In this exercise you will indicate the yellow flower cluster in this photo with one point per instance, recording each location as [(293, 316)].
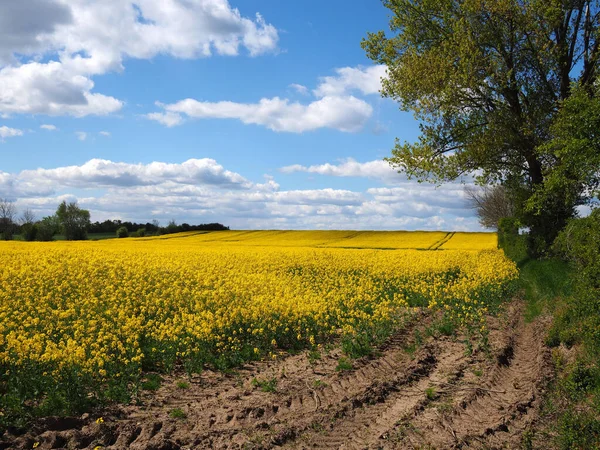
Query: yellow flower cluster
[(106, 310)]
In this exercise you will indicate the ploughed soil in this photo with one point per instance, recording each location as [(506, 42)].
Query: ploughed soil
[(429, 392)]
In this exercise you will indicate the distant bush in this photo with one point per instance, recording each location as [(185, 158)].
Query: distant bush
[(141, 232), (122, 232), (47, 228), (29, 231)]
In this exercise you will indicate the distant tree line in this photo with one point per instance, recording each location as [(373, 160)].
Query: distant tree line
[(74, 223), (111, 226)]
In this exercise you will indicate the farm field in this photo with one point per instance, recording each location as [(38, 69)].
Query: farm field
[(86, 324)]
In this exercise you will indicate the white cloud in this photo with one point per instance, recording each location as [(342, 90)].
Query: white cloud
[(342, 113), (348, 79), (104, 133), (105, 173), (169, 119), (48, 127), (202, 190), (299, 88), (350, 168), (335, 107), (51, 88), (81, 135), (84, 38), (9, 132)]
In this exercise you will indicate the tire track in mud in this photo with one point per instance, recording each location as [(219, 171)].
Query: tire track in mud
[(364, 426), (430, 399), (225, 411), (495, 411)]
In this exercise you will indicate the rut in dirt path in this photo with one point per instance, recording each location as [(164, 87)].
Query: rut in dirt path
[(495, 412), (364, 426), (460, 402)]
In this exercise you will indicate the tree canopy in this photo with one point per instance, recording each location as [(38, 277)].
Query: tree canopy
[(73, 220), (487, 79)]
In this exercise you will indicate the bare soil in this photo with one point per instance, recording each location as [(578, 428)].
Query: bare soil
[(432, 395)]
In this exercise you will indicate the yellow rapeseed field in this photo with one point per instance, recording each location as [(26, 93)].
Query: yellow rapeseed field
[(83, 320)]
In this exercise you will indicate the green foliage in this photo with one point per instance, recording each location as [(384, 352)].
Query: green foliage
[(171, 227), (344, 364), (73, 221), (313, 356), (576, 142), (579, 430), (508, 232), (431, 393), (487, 79), (265, 385), (181, 384), (152, 382), (444, 326), (141, 232), (579, 242), (29, 231), (122, 232), (177, 413), (47, 228), (572, 293)]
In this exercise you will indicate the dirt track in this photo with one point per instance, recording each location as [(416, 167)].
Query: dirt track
[(434, 397)]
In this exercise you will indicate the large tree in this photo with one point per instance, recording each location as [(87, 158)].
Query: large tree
[(487, 78)]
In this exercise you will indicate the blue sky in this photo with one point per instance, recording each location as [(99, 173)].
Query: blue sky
[(256, 114)]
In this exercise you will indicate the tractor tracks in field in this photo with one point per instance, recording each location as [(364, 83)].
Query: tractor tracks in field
[(432, 395), (437, 245)]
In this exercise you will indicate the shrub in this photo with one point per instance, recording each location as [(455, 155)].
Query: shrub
[(141, 232), (579, 243), (29, 231), (122, 232), (514, 245), (47, 228)]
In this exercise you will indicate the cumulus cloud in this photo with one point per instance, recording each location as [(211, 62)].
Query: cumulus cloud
[(350, 168), (202, 190), (51, 88), (106, 173), (48, 127), (341, 113), (81, 135), (366, 80), (79, 39), (335, 106), (26, 26), (104, 133), (9, 132)]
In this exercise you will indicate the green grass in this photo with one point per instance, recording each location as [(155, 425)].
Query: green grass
[(182, 384), (344, 364), (152, 382), (265, 385), (177, 413), (541, 281)]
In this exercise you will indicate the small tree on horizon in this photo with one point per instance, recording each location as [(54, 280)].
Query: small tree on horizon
[(28, 226), (73, 221), (8, 213)]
